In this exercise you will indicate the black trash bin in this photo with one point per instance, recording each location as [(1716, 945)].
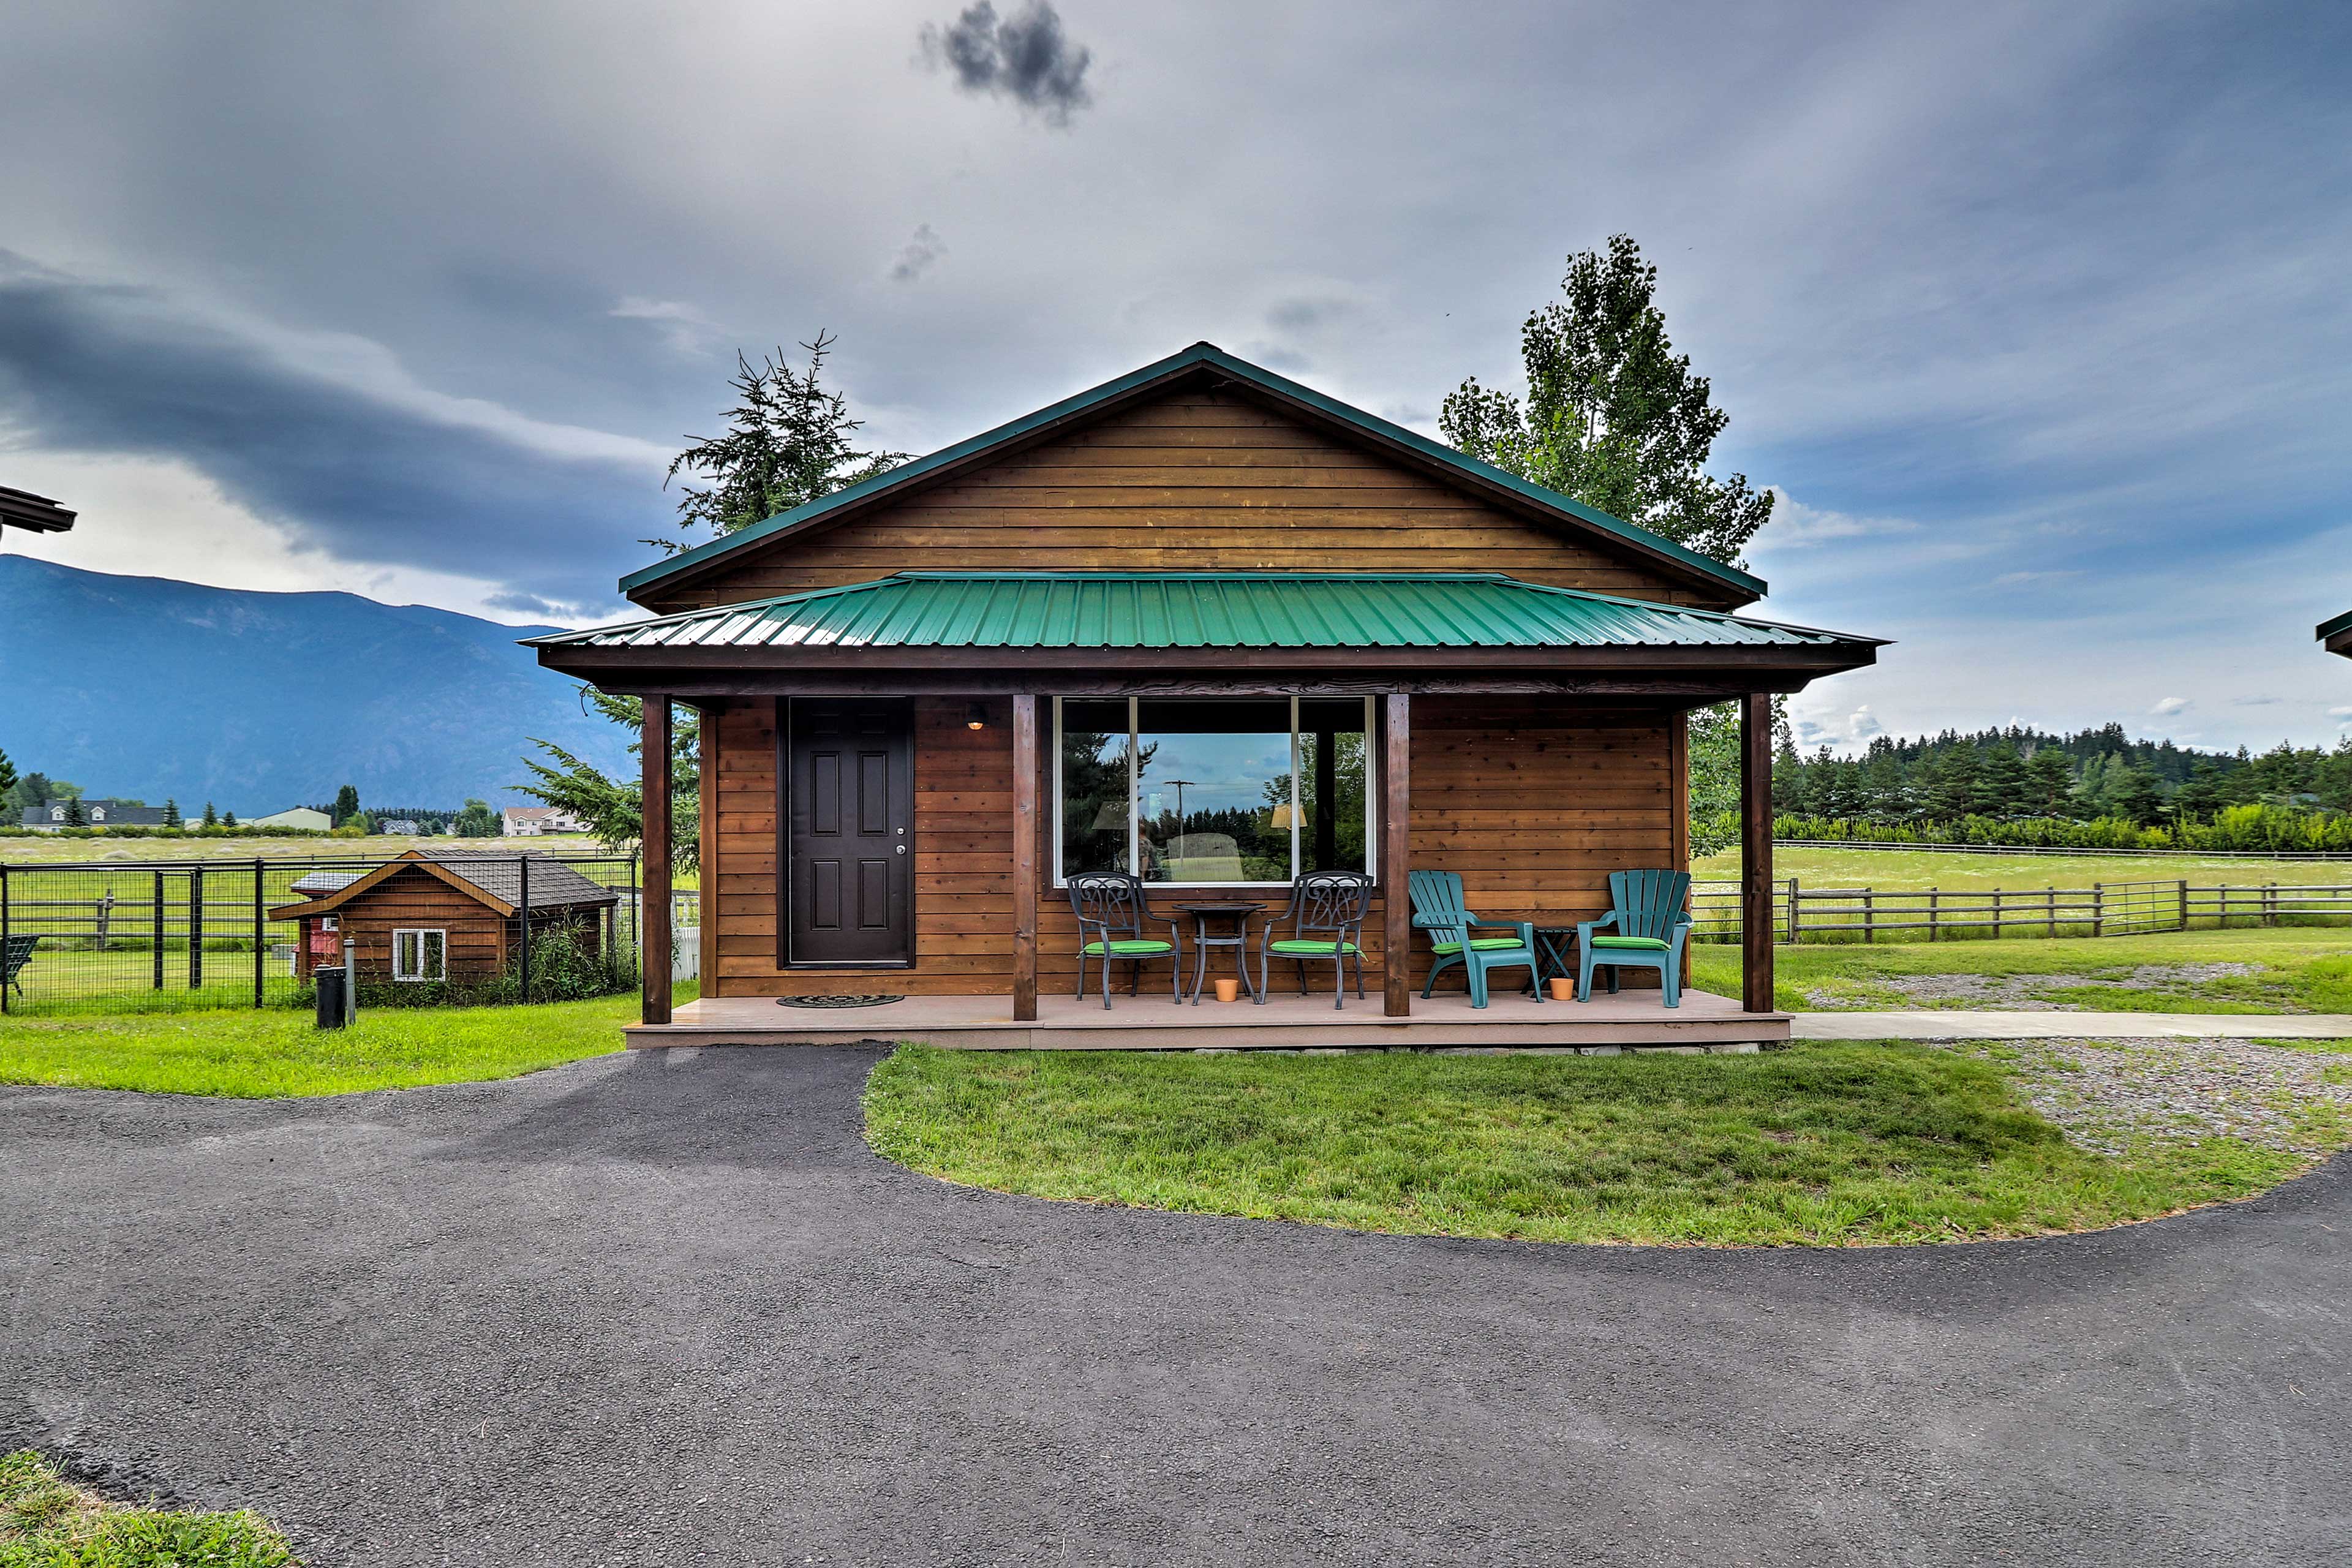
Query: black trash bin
[(330, 983)]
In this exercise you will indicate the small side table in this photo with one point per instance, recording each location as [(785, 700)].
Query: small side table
[(1550, 941), (1235, 910)]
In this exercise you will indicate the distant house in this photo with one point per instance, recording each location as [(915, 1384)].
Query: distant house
[(406, 826), (450, 915), (51, 818), (23, 508), (534, 821), (2336, 635), (300, 816)]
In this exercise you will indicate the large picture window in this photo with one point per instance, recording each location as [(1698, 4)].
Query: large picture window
[(1202, 792)]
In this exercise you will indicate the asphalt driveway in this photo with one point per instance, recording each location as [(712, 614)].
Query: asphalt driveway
[(665, 1308)]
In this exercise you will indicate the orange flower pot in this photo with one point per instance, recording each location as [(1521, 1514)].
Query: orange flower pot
[(1562, 988), (1228, 990)]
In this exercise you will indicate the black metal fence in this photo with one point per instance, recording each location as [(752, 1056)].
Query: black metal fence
[(169, 936)]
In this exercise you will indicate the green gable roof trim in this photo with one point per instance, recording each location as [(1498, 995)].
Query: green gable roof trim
[(1199, 610), (2329, 628), (1210, 357)]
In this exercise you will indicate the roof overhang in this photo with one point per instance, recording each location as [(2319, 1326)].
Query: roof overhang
[(23, 508), (328, 903), (1205, 362), (2336, 635)]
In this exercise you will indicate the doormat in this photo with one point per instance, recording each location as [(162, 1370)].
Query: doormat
[(833, 1001)]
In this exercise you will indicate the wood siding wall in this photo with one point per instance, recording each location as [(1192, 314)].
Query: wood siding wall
[(1196, 482), (1532, 801)]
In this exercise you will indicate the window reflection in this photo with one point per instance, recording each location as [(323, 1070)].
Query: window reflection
[(1093, 786), (1331, 785)]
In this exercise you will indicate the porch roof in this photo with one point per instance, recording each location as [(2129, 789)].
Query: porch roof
[(1178, 610)]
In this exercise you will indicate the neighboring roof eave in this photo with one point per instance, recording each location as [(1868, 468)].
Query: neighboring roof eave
[(2335, 635), (23, 508), (329, 903), (1099, 401)]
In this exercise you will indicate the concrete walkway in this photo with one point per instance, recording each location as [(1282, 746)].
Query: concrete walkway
[(2054, 1023)]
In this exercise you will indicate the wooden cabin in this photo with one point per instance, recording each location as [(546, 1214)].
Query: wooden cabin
[(448, 916), (1206, 625)]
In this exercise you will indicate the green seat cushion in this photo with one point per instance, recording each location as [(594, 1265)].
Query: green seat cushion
[(1638, 944), (1298, 947), (1483, 944), (1130, 947)]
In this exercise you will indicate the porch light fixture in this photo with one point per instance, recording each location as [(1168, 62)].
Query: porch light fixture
[(976, 716)]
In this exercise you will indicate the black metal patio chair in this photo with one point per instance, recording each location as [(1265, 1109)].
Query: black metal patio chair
[(14, 957), (1326, 920), (1112, 905)]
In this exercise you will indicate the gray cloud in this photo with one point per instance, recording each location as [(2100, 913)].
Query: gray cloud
[(106, 369), (918, 256), (1025, 57)]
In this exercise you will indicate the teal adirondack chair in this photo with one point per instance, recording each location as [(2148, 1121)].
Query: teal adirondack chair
[(1650, 911), (1438, 909)]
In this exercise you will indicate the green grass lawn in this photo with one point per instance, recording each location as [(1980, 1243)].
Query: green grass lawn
[(2296, 969), (45, 1522), (273, 1052), (1817, 1144), (1897, 869)]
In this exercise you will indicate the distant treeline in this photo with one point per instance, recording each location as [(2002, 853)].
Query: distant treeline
[(2020, 776)]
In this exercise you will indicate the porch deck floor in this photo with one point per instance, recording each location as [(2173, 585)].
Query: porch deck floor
[(1632, 1019)]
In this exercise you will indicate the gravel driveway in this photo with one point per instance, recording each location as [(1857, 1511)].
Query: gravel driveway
[(664, 1309)]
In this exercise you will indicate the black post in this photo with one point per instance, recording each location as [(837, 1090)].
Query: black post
[(197, 928), (522, 864), (159, 930), (1326, 807), (260, 936), (4, 934)]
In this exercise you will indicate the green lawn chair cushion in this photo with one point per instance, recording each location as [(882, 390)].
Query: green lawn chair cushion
[(1637, 943), (1307, 947), (1484, 944), (1130, 947)]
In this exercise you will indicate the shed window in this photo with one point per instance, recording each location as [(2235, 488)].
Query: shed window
[(420, 954), (1237, 791)]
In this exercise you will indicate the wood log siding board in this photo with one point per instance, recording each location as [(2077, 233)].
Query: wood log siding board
[(1208, 483), (1532, 801)]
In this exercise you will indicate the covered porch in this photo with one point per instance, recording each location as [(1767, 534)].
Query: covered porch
[(1530, 740)]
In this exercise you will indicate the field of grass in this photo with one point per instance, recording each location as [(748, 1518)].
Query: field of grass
[(47, 1522), (279, 1052), (1955, 870), (2251, 970), (1839, 1144)]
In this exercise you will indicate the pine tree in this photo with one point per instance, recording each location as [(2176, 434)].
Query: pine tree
[(2134, 794), (1952, 791), (229, 820), (74, 814), (7, 774), (2000, 783), (212, 817), (171, 812), (347, 805)]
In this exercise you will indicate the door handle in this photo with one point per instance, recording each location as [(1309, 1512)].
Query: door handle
[(902, 849)]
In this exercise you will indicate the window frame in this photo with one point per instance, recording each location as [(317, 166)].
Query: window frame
[(1134, 805), (420, 932)]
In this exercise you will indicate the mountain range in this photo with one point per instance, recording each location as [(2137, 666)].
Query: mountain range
[(152, 688)]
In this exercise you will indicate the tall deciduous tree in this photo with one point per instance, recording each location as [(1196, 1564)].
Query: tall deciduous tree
[(1612, 416)]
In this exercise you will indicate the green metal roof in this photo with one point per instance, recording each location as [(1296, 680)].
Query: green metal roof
[(1198, 610), (1212, 357)]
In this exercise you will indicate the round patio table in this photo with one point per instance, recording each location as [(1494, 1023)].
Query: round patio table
[(1236, 911)]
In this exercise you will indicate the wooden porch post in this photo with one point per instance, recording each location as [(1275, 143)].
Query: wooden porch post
[(654, 844), (1756, 852), (1024, 857), (1396, 855)]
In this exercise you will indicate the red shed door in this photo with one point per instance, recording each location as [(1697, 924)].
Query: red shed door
[(849, 852)]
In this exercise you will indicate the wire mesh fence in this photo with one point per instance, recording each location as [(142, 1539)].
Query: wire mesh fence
[(1802, 914), (456, 925)]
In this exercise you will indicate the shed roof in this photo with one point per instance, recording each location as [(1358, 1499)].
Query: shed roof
[(494, 877), (1199, 610), (1207, 360)]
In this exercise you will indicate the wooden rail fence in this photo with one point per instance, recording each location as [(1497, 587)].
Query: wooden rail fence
[(1802, 914)]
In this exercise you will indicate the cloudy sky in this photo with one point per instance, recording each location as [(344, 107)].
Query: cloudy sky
[(2035, 316)]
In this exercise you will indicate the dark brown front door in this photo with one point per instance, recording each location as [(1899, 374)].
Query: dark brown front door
[(849, 849)]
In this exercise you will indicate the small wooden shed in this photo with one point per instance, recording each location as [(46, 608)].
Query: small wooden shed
[(448, 915)]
